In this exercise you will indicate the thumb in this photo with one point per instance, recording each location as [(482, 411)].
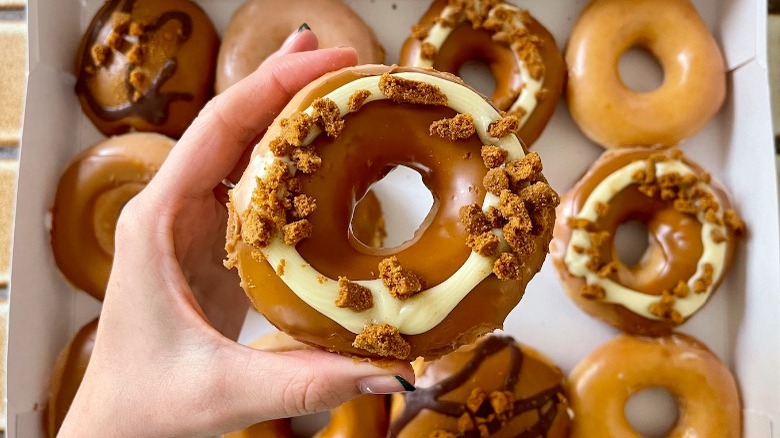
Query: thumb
[(263, 385)]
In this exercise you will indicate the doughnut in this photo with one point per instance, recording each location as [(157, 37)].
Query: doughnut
[(146, 65), (522, 55), (254, 33), (613, 115), (66, 378), (364, 416), (90, 195), (462, 272), (600, 386), (692, 234), (497, 387)]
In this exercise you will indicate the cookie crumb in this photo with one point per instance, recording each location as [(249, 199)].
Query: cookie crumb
[(507, 267), (354, 296), (383, 340), (419, 31), (357, 99), (734, 222), (504, 126), (296, 231), (525, 170), (427, 51), (485, 244), (402, 90), (593, 292), (280, 267), (296, 128), (401, 282), (456, 128), (475, 221), (327, 116), (100, 55), (306, 160), (493, 156), (496, 181), (303, 206)]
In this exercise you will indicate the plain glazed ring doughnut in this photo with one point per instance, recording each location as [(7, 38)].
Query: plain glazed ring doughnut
[(255, 32), (600, 386), (66, 378), (694, 83), (90, 195), (522, 55), (497, 387), (692, 235), (146, 65), (456, 279), (365, 416)]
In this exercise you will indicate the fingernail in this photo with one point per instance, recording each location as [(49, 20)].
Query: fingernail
[(295, 34), (303, 27), (384, 385)]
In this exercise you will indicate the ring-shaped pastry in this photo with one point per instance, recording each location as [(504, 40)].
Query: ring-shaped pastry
[(522, 55), (692, 234), (706, 393), (466, 267), (613, 115)]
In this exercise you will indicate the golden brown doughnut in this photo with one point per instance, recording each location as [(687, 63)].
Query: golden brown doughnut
[(259, 27), (694, 83), (692, 236), (66, 378), (707, 396), (90, 195), (364, 416), (497, 387), (522, 55), (146, 65), (455, 280)]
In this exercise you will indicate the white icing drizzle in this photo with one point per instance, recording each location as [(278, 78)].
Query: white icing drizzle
[(713, 253), (426, 309), (438, 34)]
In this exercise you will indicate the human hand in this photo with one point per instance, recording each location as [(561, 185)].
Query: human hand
[(164, 361)]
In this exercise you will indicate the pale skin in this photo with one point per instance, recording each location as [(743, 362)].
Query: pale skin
[(165, 362)]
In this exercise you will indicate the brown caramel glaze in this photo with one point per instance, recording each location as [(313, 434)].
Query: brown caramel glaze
[(707, 395), (674, 242), (364, 416), (398, 135), (179, 46), (90, 195), (255, 32), (66, 378), (495, 363), (466, 43)]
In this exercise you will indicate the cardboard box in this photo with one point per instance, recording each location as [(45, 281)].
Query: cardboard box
[(741, 323)]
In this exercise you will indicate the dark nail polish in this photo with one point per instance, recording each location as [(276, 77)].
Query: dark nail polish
[(407, 386), (303, 27)]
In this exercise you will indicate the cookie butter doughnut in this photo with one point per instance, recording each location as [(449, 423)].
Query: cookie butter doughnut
[(487, 232), (692, 236), (707, 396), (66, 378), (146, 65), (365, 416), (496, 388), (90, 195), (259, 27), (523, 58), (613, 115)]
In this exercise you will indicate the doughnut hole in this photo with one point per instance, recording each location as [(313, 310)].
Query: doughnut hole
[(640, 71), (652, 412), (631, 241), (309, 425), (405, 202), (476, 73)]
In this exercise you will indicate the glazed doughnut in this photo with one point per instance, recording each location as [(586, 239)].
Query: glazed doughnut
[(694, 83), (146, 65), (523, 57), (66, 378), (602, 383), (692, 235), (90, 195), (487, 232), (497, 387), (255, 32), (364, 416)]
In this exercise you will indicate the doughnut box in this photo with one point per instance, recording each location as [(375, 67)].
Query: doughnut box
[(741, 323)]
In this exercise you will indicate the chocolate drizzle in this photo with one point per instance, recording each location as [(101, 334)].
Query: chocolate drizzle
[(153, 105), (544, 402)]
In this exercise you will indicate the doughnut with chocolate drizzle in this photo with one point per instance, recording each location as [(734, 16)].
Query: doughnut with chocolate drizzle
[(495, 388), (146, 65)]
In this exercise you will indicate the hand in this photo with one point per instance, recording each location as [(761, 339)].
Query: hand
[(165, 362)]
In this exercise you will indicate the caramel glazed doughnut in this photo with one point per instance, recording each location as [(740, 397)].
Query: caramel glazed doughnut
[(522, 55), (706, 393), (90, 195), (497, 387), (324, 288), (692, 236), (146, 65), (259, 27), (694, 83), (365, 416)]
